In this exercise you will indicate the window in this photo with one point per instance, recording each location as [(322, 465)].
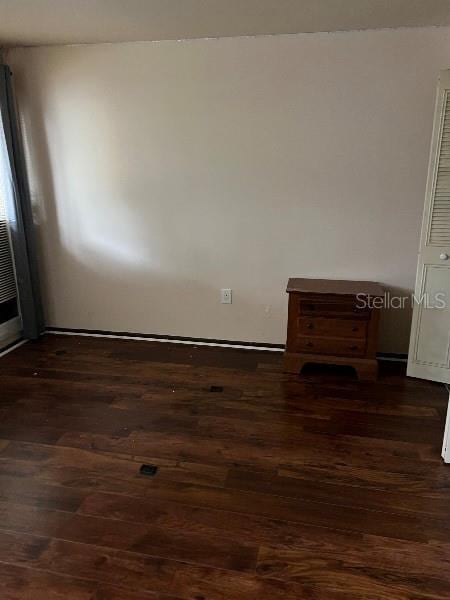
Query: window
[(8, 292)]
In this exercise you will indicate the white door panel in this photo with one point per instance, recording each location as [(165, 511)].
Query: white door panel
[(429, 352), (432, 341)]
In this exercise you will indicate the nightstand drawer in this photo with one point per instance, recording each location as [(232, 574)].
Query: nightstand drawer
[(323, 308), (329, 327), (331, 346)]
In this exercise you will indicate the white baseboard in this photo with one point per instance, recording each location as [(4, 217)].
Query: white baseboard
[(164, 340)]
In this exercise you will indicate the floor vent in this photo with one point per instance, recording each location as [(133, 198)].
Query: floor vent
[(149, 470), (216, 388)]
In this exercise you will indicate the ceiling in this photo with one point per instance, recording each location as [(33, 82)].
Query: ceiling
[(39, 22)]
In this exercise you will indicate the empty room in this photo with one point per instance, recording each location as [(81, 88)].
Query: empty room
[(224, 299)]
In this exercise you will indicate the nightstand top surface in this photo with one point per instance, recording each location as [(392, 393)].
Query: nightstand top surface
[(337, 287)]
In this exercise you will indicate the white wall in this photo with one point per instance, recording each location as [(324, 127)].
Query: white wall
[(164, 171)]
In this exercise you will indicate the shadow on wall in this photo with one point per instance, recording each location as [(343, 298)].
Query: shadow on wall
[(99, 282)]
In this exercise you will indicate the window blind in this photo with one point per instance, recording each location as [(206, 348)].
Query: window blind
[(7, 279)]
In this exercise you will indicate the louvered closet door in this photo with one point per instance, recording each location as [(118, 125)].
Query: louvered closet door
[(429, 352)]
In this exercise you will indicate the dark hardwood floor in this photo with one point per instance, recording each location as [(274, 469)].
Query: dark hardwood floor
[(276, 488)]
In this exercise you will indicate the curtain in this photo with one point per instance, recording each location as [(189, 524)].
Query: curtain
[(19, 213)]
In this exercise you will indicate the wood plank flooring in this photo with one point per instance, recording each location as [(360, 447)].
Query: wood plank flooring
[(276, 488)]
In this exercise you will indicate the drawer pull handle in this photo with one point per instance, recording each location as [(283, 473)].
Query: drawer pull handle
[(309, 326)]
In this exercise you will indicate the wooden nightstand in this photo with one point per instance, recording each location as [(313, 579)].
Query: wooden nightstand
[(334, 322)]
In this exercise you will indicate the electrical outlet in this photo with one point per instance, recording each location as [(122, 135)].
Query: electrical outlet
[(225, 296)]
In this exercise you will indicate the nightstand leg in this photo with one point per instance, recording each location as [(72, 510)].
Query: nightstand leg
[(367, 371), (293, 363)]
